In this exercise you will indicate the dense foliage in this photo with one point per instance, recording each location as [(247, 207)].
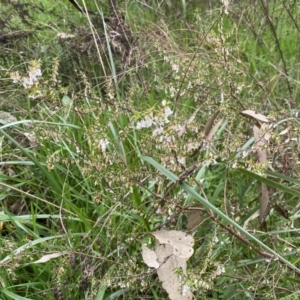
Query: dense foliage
[(142, 116)]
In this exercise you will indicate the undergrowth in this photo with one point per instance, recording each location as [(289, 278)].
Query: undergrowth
[(185, 119)]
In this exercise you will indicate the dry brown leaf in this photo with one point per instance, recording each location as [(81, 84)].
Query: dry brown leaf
[(285, 131), (210, 123), (6, 117), (182, 131), (63, 35), (48, 257), (149, 257), (264, 206), (181, 242), (11, 172), (213, 131), (163, 251), (167, 263), (252, 217), (32, 139), (171, 281), (261, 139), (194, 217), (254, 115), (190, 120)]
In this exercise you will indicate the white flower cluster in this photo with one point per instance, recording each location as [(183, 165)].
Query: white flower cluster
[(28, 80), (158, 122)]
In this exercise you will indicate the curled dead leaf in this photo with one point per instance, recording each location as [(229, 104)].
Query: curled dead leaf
[(214, 130), (261, 139), (210, 123), (48, 257), (149, 257), (264, 206), (6, 117), (254, 115)]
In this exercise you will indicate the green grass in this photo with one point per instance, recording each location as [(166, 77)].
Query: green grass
[(82, 184)]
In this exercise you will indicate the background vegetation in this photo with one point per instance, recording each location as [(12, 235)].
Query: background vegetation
[(86, 101)]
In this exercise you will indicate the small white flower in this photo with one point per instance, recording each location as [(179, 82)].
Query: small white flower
[(15, 76), (103, 143), (166, 121), (164, 103), (172, 91), (140, 125), (168, 112), (27, 82), (159, 121), (215, 239), (157, 131), (222, 97), (220, 270), (181, 160), (35, 95), (178, 128), (34, 73), (148, 122), (175, 68), (168, 139)]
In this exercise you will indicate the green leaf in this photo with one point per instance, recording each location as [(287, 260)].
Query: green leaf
[(13, 295), (136, 196), (270, 182), (101, 293), (66, 100), (283, 177)]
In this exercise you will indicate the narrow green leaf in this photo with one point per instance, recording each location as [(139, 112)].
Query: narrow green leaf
[(160, 168), (66, 101), (136, 196), (117, 294), (269, 182), (13, 295), (101, 293), (118, 144), (283, 177)]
